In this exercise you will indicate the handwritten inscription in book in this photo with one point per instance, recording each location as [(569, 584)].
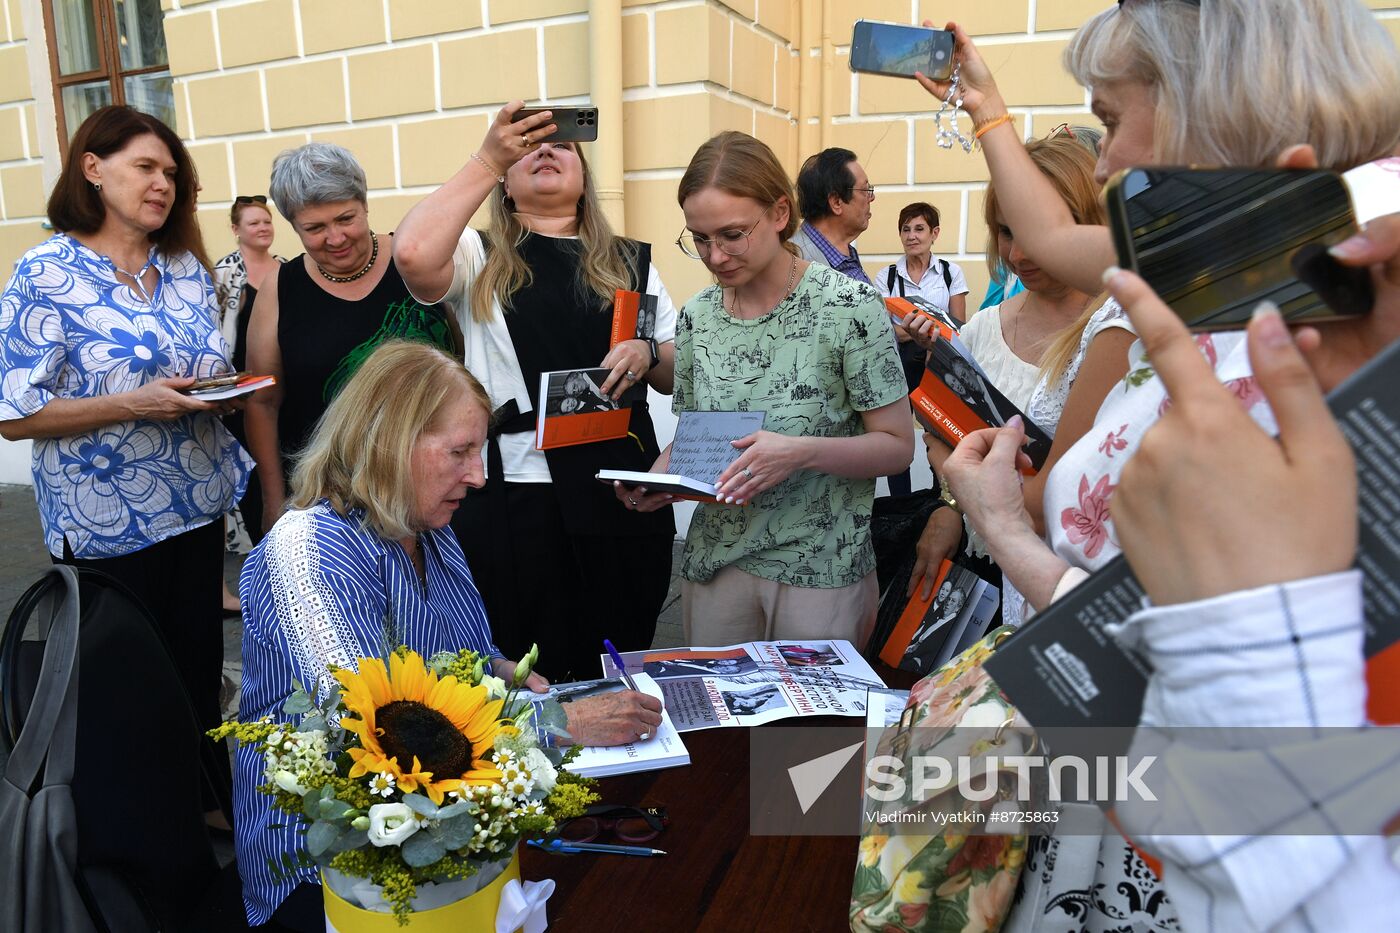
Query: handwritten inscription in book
[(703, 446)]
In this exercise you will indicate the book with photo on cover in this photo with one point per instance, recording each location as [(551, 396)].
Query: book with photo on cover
[(634, 317), (702, 449), (931, 631), (1064, 669), (663, 749), (574, 410), (957, 397)]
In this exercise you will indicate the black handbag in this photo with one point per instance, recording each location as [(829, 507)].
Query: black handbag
[(39, 887)]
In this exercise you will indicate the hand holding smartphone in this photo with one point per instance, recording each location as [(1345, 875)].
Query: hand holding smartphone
[(899, 50), (1214, 243), (575, 124)]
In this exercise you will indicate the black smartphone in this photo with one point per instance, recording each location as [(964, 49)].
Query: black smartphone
[(575, 124), (1214, 243), (899, 50)]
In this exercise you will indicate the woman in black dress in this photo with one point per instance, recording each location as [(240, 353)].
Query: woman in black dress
[(557, 557), (343, 297)]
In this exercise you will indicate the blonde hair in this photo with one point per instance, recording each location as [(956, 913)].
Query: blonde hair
[(607, 258), (1070, 168), (1237, 82), (361, 453), (738, 164)]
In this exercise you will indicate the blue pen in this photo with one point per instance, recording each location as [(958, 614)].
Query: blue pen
[(621, 667), (572, 848)]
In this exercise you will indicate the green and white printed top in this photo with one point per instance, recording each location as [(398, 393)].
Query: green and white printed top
[(825, 354)]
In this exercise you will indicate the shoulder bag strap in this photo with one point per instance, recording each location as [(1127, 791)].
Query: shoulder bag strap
[(50, 730)]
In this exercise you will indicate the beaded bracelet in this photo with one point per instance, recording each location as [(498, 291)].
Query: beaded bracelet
[(500, 176)]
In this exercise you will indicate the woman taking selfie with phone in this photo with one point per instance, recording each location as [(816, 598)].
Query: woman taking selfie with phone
[(789, 554), (558, 558), (1174, 83)]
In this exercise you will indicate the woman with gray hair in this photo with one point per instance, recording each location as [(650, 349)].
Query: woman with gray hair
[(343, 296)]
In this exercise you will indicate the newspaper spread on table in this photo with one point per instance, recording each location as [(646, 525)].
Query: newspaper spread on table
[(756, 682)]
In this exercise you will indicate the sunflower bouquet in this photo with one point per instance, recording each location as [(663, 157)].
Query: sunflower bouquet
[(415, 780)]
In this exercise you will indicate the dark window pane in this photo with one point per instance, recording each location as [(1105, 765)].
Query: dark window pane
[(153, 94), (80, 100), (140, 33), (76, 36)]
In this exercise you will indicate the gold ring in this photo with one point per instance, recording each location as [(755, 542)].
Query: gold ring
[(525, 139)]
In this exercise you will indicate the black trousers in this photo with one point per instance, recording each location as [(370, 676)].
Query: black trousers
[(175, 580), (564, 592)]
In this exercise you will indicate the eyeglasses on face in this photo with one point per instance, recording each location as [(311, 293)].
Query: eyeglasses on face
[(250, 199), (730, 242), (869, 191)]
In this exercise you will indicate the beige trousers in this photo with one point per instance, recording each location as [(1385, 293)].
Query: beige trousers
[(735, 607)]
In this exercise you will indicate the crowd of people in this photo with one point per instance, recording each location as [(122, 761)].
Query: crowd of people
[(393, 491)]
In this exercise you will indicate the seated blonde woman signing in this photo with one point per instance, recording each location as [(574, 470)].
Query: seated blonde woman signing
[(363, 561)]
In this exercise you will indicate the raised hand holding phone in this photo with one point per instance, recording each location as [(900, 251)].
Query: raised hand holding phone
[(1210, 503)]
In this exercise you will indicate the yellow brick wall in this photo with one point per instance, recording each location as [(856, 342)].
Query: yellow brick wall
[(409, 86), (22, 190)]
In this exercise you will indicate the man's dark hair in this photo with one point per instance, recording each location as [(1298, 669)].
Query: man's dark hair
[(824, 174)]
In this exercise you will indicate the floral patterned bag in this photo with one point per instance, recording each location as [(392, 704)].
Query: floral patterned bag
[(954, 881)]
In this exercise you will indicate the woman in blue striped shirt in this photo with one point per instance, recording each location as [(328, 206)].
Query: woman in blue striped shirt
[(362, 562)]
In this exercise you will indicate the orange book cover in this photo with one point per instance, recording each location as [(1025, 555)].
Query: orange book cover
[(955, 398), (574, 410), (634, 317), (901, 308), (909, 621)]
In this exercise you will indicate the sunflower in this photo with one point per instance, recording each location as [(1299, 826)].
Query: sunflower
[(446, 729)]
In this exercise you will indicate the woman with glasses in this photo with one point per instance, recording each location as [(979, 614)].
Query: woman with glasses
[(787, 552), (559, 560)]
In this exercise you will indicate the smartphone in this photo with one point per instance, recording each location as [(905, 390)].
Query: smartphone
[(215, 382), (575, 124), (899, 50), (1213, 243)]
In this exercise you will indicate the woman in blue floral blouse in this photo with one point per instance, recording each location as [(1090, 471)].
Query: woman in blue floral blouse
[(101, 328)]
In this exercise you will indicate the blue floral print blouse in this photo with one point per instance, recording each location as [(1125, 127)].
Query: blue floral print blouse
[(70, 329)]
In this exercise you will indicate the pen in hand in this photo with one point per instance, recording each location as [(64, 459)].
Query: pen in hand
[(621, 666)]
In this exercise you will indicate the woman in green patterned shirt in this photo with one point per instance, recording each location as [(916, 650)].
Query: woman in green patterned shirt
[(788, 554)]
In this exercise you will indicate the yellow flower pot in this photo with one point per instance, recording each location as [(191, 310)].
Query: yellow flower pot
[(475, 912)]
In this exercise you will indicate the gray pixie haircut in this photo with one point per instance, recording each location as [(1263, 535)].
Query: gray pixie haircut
[(317, 173)]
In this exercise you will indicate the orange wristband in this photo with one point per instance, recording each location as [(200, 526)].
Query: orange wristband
[(995, 121)]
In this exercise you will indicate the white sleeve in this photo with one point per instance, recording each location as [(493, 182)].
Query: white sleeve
[(959, 286), (1269, 830), (665, 307), (468, 256)]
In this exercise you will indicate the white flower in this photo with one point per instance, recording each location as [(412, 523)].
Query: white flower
[(495, 687), (541, 770), (391, 823), (288, 782), (382, 784)]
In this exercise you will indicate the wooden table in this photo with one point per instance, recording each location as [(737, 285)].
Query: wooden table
[(716, 877)]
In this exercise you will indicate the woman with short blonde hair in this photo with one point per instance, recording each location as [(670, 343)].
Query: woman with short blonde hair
[(361, 563)]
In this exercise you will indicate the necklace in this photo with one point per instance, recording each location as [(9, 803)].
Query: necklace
[(342, 279), (135, 277), (792, 280)]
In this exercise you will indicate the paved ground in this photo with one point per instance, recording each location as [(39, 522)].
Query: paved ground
[(23, 558)]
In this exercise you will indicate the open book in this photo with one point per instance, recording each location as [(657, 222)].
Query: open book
[(756, 682), (701, 451), (664, 749)]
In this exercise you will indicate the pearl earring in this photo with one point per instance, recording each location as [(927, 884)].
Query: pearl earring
[(97, 186)]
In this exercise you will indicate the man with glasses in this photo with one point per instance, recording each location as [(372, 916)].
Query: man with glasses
[(835, 196)]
